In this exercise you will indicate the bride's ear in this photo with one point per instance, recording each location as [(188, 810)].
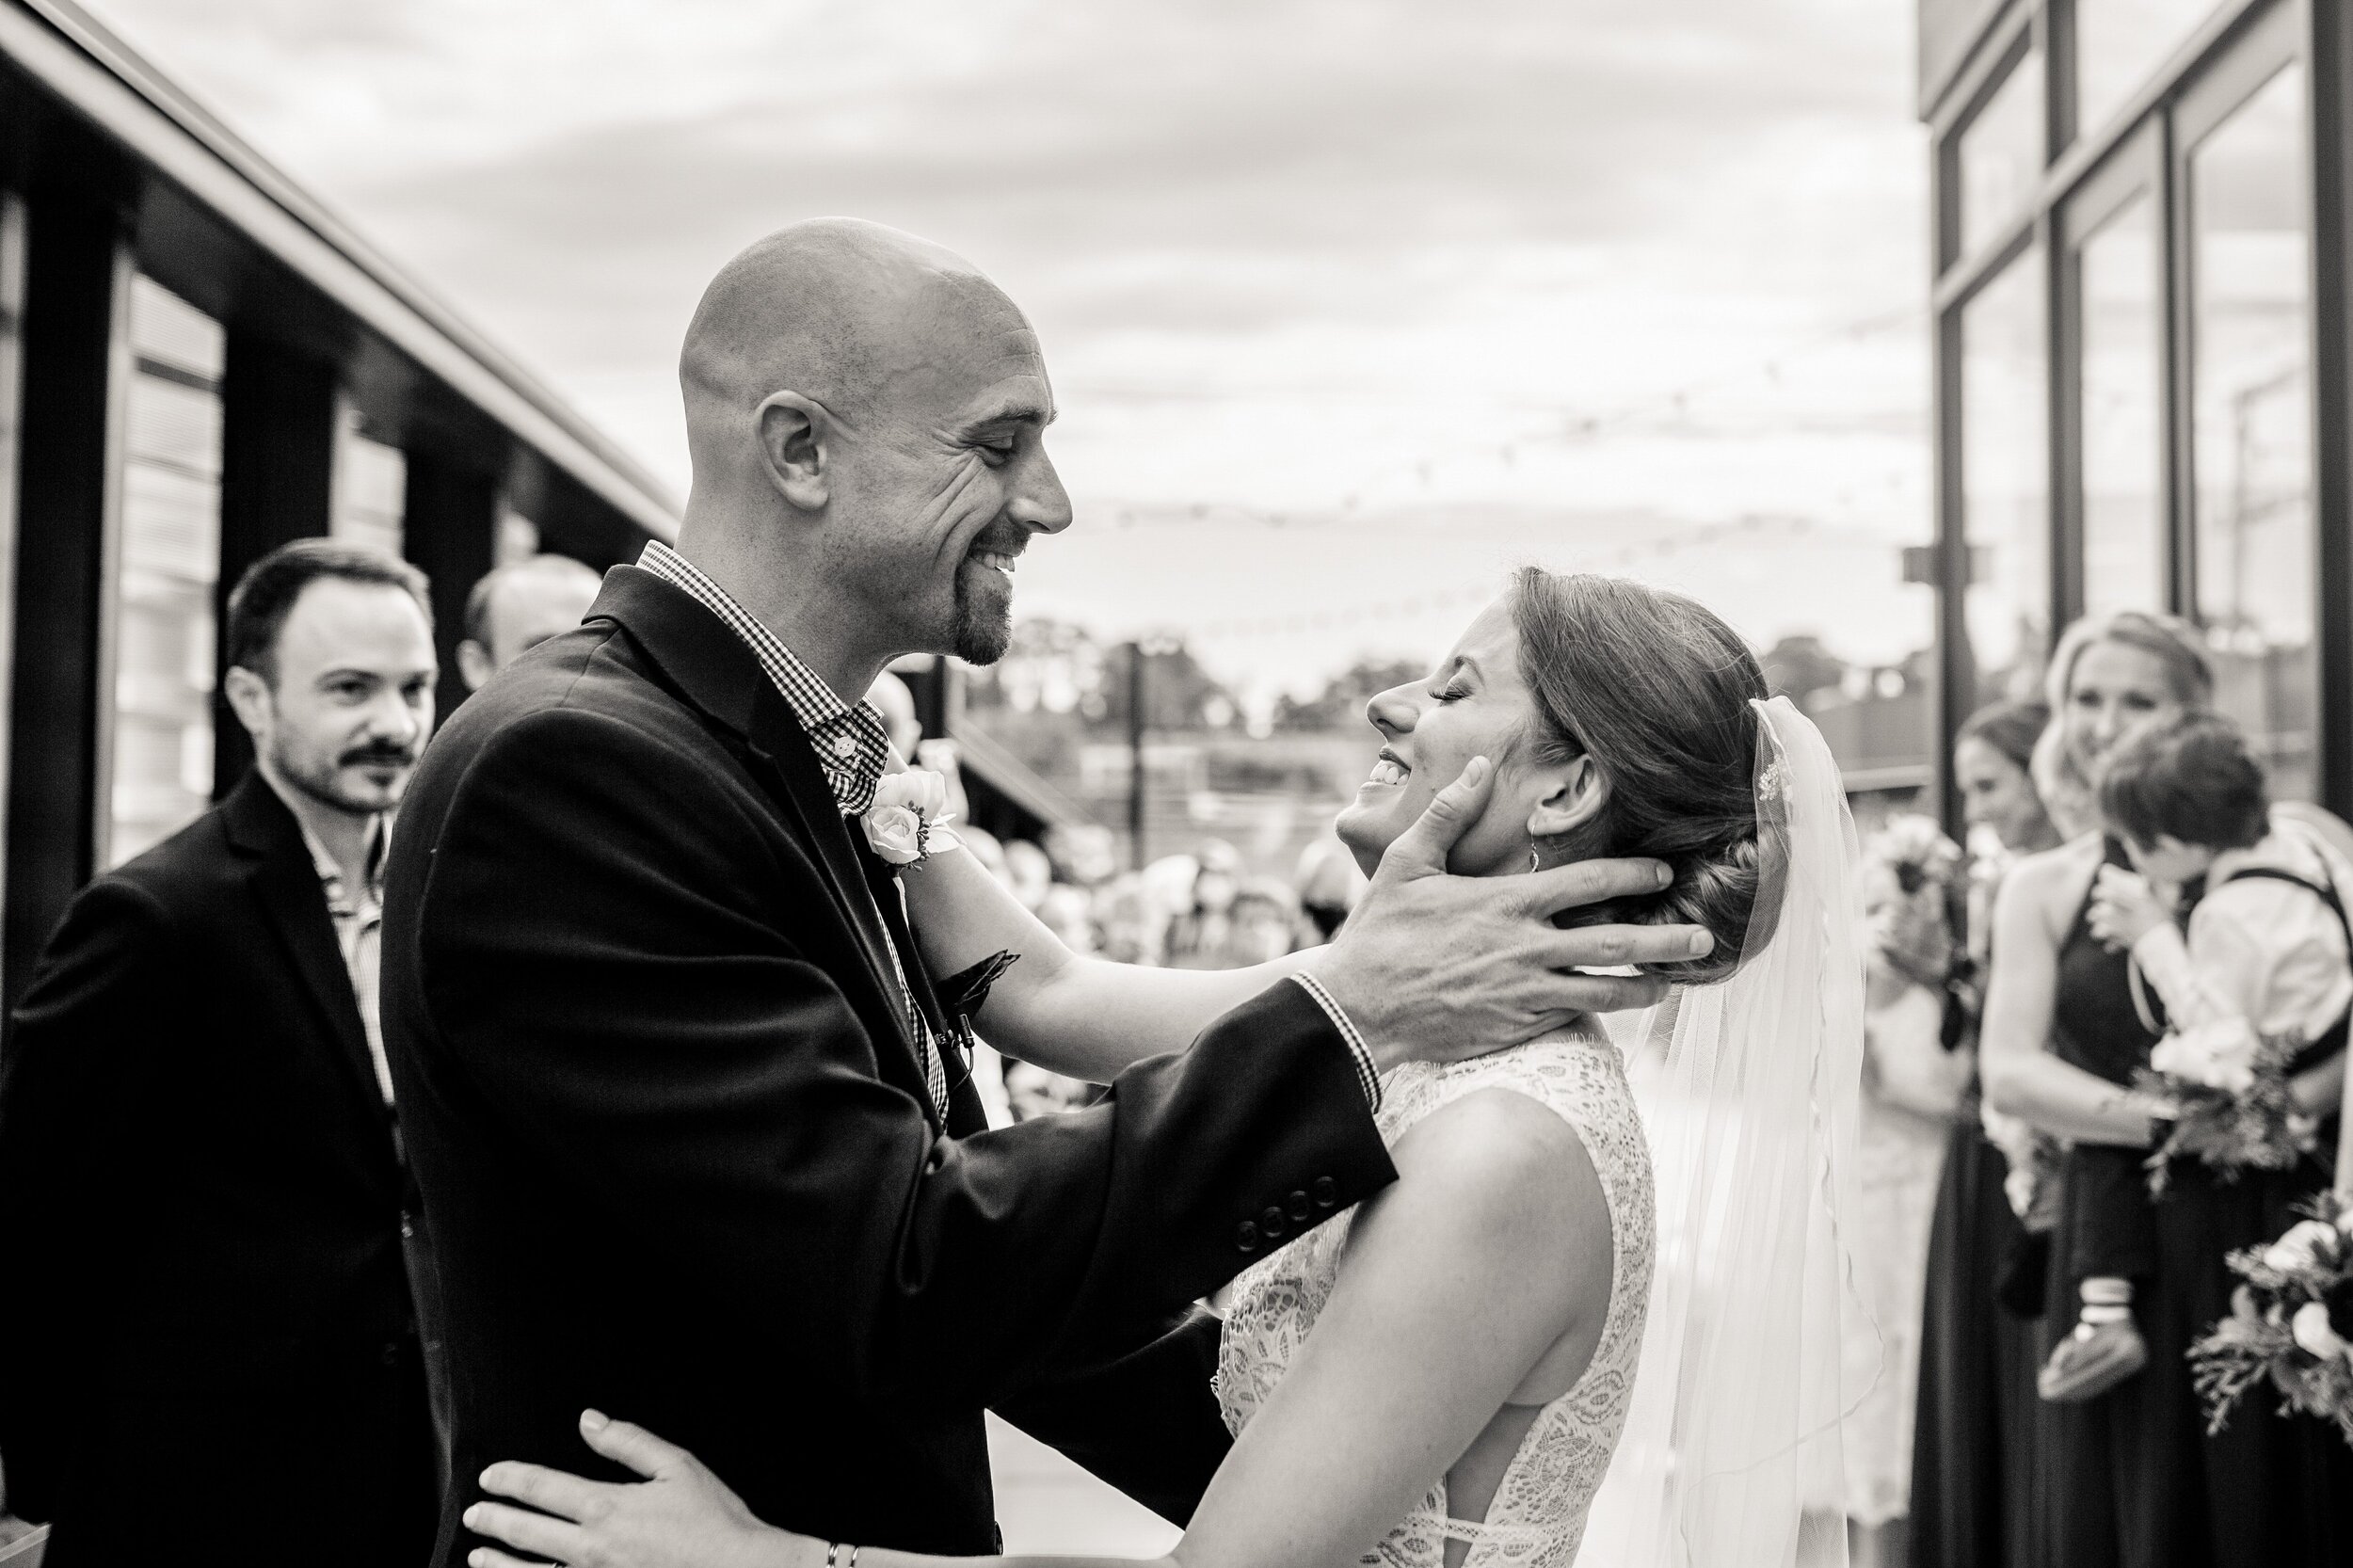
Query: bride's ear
[(1575, 794)]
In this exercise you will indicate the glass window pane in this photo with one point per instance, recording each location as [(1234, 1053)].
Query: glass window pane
[(2123, 414), (169, 559), (2250, 328), (2005, 470), (2119, 45), (2001, 154), (370, 481)]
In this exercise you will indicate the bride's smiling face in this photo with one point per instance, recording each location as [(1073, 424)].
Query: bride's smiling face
[(1474, 703)]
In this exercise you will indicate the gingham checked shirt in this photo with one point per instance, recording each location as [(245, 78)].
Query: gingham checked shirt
[(853, 747)]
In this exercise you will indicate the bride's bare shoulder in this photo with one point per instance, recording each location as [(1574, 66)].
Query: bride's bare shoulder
[(1509, 1167)]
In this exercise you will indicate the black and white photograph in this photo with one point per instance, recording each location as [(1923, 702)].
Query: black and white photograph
[(1180, 783)]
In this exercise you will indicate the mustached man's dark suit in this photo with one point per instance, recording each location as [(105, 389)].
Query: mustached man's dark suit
[(676, 1153), (207, 1352)]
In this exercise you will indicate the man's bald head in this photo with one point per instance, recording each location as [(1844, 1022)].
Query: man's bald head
[(836, 308), (865, 415)]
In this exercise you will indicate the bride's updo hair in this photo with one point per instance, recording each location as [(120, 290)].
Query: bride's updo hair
[(1657, 691)]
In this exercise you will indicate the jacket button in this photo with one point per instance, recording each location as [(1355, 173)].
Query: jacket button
[(1300, 1207), (1327, 1192), (1272, 1222), (1247, 1239), (391, 1352)]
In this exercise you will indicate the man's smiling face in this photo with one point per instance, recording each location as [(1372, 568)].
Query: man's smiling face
[(942, 472)]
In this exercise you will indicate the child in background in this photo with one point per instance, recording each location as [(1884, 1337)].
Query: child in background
[(2265, 950)]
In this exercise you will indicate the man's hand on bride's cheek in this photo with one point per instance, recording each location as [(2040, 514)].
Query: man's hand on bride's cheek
[(1432, 966), (680, 1516)]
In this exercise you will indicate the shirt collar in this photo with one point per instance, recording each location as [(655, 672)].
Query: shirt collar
[(330, 873), (852, 743)]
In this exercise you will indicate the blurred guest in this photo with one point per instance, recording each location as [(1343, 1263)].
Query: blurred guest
[(515, 608), (1132, 922), (1082, 852), (1330, 882), (1265, 923), (1196, 936), (1974, 1480), (221, 1361), (1028, 872), (1069, 914), (2135, 1479), (1913, 1090), (896, 703), (2264, 958)]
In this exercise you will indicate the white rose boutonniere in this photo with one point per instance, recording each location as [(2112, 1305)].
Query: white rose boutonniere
[(904, 826)]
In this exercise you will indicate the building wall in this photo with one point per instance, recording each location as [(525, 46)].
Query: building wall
[(2141, 347)]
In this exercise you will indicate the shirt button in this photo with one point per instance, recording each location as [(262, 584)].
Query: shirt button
[(844, 746), (1247, 1239), (1272, 1222), (1327, 1192)]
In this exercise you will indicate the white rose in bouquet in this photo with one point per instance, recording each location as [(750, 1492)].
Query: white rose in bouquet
[(2316, 1335), (2301, 1249), (2220, 1055)]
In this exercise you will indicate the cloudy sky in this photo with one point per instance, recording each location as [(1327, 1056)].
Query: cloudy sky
[(1351, 304)]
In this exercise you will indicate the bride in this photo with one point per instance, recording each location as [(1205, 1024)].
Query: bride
[(1516, 1355)]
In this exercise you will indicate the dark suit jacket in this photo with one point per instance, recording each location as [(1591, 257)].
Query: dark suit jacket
[(674, 1145), (201, 1203)]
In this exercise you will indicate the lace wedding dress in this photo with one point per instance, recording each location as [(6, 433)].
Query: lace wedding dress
[(1538, 1514)]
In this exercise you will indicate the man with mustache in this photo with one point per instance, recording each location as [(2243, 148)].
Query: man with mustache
[(208, 1348)]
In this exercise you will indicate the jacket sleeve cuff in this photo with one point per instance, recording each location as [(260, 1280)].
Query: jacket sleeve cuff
[(1367, 1077)]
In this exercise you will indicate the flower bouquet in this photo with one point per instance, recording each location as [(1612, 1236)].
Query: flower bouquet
[(2284, 1324), (2231, 1109), (1910, 873)]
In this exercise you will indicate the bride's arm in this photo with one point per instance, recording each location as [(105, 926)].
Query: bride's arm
[(1080, 1016), (1493, 1244)]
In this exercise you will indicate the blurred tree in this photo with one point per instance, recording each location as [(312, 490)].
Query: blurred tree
[(1341, 703), (1799, 668), (1055, 668)]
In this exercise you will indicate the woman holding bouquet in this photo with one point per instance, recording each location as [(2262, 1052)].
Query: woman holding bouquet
[(2136, 1482), (1915, 1076), (1976, 1481)]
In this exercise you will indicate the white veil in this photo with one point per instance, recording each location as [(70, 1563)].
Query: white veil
[(1732, 1454)]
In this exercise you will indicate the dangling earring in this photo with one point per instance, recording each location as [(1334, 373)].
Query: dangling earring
[(1534, 864)]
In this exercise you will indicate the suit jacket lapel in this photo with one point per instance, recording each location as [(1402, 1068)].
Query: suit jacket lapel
[(711, 670), (285, 883)]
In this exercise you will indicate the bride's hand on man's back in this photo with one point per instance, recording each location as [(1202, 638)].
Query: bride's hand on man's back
[(680, 1516), (1437, 967)]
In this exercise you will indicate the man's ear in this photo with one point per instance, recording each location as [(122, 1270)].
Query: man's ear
[(249, 698), (1575, 794), (474, 667), (793, 432)]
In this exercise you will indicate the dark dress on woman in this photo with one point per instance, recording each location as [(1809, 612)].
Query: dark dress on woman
[(2135, 1481), (1976, 1481)]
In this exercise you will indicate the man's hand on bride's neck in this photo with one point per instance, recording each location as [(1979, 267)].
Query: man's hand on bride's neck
[(1436, 968)]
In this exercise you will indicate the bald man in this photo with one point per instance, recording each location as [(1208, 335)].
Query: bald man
[(514, 608), (695, 1126)]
